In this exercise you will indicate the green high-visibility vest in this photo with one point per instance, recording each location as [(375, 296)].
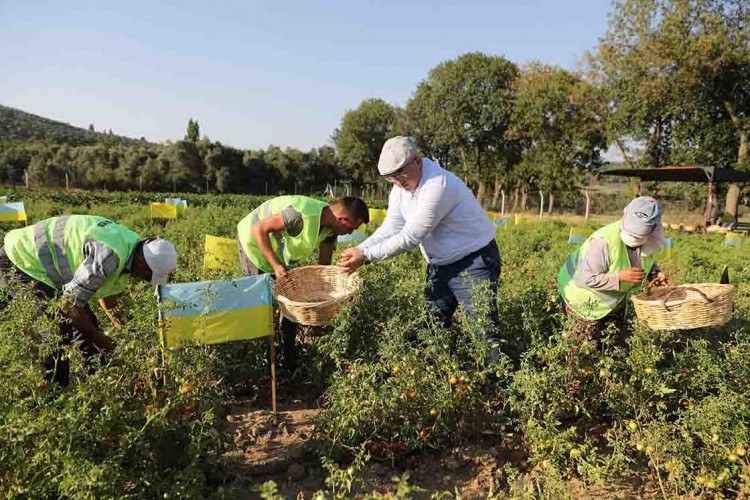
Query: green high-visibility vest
[(595, 304), (290, 250), (51, 250)]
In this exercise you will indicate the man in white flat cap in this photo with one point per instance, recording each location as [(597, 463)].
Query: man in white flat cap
[(432, 208), (82, 257)]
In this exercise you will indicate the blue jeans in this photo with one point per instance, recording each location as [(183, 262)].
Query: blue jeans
[(451, 284)]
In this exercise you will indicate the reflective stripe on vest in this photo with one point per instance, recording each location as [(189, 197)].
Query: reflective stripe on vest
[(61, 273), (50, 250)]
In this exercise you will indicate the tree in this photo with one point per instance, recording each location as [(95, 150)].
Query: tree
[(558, 116), (193, 131), (462, 112), (671, 64), (361, 135), (186, 165)]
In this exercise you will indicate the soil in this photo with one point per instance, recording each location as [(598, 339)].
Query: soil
[(282, 450)]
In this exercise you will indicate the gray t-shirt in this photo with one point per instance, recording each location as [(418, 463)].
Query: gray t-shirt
[(294, 222)]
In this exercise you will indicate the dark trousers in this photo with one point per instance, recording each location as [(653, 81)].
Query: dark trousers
[(452, 284), (288, 337), (57, 366)]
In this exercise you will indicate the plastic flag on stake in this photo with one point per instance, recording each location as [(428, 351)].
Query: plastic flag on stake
[(220, 253), (667, 249), (377, 216), (503, 224), (734, 239), (578, 235), (162, 211), (13, 212), (212, 312), (177, 202)]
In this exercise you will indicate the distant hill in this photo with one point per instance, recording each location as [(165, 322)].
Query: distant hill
[(22, 126)]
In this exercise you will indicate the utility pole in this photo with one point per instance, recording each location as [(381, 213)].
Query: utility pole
[(26, 175), (67, 186)]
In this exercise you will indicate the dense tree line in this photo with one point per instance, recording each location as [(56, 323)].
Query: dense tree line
[(201, 166), (670, 75)]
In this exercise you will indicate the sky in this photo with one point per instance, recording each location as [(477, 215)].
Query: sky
[(256, 73)]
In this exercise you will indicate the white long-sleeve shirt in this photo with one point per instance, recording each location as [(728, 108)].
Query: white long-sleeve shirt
[(442, 216)]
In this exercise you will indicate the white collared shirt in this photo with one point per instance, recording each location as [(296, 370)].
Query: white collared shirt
[(442, 216)]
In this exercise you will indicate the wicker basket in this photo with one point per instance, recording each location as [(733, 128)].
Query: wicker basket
[(312, 295), (685, 307)]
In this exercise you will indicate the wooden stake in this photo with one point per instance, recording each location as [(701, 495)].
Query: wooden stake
[(273, 375)]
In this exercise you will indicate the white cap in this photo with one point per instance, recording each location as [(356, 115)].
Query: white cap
[(396, 153), (161, 258)]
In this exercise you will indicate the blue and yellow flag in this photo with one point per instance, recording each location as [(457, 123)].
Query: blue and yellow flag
[(578, 235), (667, 249), (212, 312), (163, 211), (220, 253), (734, 239), (501, 223), (13, 212), (177, 202), (355, 237)]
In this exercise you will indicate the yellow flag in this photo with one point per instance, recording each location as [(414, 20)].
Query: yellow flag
[(377, 215), (163, 211), (220, 253)]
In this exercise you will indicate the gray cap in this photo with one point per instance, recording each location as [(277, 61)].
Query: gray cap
[(396, 153), (641, 216)]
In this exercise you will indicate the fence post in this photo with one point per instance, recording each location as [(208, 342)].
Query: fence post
[(541, 204)]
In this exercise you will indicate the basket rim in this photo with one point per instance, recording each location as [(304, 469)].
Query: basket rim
[(294, 303), (724, 289)]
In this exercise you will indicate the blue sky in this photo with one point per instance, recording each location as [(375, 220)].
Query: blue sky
[(258, 73)]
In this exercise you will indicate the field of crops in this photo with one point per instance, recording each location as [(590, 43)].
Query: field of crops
[(662, 414)]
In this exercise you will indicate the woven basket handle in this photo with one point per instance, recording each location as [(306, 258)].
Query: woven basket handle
[(669, 294)]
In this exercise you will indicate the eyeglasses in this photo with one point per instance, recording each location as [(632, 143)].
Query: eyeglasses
[(399, 174)]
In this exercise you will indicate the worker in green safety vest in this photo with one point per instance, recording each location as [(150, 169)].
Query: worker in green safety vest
[(613, 263), (285, 231), (81, 257)]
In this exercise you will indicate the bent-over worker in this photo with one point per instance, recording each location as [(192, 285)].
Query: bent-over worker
[(284, 231), (83, 257)]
